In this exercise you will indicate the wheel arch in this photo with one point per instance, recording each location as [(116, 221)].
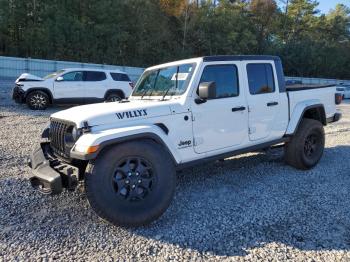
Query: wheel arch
[(43, 89), (152, 133), (114, 91), (315, 111)]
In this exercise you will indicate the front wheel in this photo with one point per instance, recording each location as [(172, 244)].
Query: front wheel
[(37, 100), (131, 184), (306, 147)]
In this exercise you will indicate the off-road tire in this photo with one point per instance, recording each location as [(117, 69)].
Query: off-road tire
[(37, 100), (306, 147), (110, 204)]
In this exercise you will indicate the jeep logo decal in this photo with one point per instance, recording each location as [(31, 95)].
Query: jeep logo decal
[(132, 114), (183, 144)]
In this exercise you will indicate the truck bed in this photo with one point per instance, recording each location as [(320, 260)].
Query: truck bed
[(298, 87), (300, 96)]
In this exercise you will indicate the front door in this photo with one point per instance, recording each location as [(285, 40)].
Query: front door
[(263, 100), (222, 122), (70, 88)]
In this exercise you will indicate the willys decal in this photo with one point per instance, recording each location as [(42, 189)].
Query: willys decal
[(132, 114)]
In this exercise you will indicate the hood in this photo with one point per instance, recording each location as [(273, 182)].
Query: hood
[(114, 112), (28, 77)]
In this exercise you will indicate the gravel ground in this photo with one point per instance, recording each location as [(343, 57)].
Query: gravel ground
[(250, 207)]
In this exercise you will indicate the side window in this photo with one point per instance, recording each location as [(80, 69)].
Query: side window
[(260, 77), (73, 76), (94, 76), (120, 77), (225, 78)]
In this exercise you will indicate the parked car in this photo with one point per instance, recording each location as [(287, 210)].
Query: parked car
[(180, 114), (341, 91), (346, 91), (72, 86)]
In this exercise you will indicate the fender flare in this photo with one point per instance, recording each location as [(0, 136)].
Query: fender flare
[(299, 112), (149, 132), (44, 89)]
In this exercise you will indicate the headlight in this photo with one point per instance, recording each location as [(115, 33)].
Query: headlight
[(72, 135), (76, 133)]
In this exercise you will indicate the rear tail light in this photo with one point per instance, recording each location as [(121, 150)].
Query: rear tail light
[(131, 84), (338, 98)]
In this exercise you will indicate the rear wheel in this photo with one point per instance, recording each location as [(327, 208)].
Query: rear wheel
[(114, 97), (305, 149), (37, 100), (131, 184)]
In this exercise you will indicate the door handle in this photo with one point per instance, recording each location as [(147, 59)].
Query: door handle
[(272, 104), (240, 108)]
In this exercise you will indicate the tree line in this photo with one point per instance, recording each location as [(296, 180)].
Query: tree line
[(146, 32)]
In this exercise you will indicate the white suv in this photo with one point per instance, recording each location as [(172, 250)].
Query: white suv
[(72, 86)]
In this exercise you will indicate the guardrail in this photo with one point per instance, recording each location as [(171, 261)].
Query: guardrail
[(12, 67), (315, 81)]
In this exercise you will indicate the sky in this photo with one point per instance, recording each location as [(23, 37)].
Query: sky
[(326, 5)]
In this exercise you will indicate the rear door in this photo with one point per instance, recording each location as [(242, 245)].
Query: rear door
[(263, 99), (221, 122), (70, 88)]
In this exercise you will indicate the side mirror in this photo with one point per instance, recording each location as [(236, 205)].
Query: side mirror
[(206, 90), (60, 78)]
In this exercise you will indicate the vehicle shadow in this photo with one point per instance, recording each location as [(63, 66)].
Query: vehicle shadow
[(252, 201)]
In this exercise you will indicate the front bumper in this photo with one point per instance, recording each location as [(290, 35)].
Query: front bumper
[(49, 174), (18, 94)]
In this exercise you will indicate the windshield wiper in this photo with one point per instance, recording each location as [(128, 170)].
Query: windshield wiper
[(177, 72), (144, 92), (154, 85)]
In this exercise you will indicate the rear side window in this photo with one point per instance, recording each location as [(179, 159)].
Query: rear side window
[(225, 78), (94, 76), (260, 77), (120, 77)]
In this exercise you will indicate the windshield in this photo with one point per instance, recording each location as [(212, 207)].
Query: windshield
[(53, 74), (171, 80)]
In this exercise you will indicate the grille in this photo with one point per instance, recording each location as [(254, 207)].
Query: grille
[(58, 129)]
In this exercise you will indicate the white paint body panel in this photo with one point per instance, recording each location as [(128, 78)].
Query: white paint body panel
[(266, 122), (299, 100), (216, 126)]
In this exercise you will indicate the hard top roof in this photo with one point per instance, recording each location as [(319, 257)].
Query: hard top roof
[(239, 58)]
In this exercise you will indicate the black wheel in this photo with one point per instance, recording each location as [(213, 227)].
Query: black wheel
[(305, 149), (131, 184), (37, 100), (114, 97)]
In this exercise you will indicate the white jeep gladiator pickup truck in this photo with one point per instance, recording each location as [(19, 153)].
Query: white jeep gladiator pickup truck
[(72, 86), (179, 114)]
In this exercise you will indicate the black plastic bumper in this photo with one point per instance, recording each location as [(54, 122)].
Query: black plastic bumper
[(18, 94), (49, 174)]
